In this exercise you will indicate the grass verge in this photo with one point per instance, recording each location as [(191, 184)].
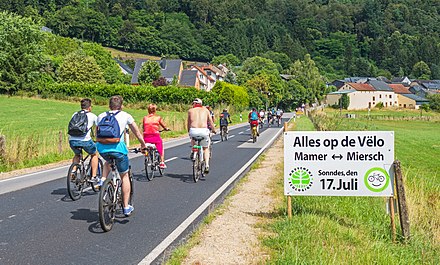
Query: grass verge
[(356, 230)]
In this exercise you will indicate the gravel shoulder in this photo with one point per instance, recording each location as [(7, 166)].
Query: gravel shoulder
[(233, 236)]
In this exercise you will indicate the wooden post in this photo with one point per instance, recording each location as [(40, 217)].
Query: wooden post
[(393, 223), (403, 208), (60, 142), (2, 148)]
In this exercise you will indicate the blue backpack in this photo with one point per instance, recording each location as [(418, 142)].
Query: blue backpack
[(254, 116), (108, 127)]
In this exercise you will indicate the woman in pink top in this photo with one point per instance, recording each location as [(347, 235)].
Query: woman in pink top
[(151, 131)]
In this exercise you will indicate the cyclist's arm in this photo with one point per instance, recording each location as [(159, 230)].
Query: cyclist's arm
[(163, 124), (211, 123), (134, 128)]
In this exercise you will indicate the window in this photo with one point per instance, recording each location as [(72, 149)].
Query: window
[(380, 96), (391, 96), (374, 98)]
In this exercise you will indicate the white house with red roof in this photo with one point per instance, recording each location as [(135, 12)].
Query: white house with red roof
[(206, 82), (364, 95)]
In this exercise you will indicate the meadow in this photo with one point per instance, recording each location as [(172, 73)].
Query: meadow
[(36, 129), (356, 230)]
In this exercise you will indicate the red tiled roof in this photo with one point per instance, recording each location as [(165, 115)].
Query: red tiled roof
[(399, 89), (204, 73), (361, 87)]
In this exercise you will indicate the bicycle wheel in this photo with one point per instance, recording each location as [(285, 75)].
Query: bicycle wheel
[(107, 205), (221, 134), (254, 134), (75, 182), (149, 172), (196, 167), (225, 132)]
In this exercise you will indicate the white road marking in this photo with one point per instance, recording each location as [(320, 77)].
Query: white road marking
[(170, 159), (248, 129), (12, 216), (188, 221), (231, 136), (216, 142), (240, 132)]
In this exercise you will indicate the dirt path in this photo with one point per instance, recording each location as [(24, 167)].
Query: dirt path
[(232, 237)]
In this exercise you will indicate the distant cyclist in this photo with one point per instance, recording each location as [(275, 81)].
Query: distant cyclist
[(253, 119), (151, 124), (225, 119), (262, 114), (198, 119), (113, 122), (80, 127), (279, 113)]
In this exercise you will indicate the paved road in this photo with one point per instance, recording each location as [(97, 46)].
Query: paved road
[(39, 224)]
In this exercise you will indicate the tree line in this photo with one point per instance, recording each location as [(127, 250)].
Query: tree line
[(344, 38)]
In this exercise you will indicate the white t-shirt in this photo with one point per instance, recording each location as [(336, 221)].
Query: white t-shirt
[(91, 120), (123, 119), (262, 114)]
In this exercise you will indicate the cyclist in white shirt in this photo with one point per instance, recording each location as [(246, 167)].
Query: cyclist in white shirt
[(85, 142)]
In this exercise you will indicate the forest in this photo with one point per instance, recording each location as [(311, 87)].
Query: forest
[(344, 37)]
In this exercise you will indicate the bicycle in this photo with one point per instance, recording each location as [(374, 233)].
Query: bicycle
[(110, 197), (198, 159), (79, 176), (254, 133), (151, 161), (278, 121), (224, 132)]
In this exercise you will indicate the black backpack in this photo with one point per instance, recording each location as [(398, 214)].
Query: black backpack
[(78, 124)]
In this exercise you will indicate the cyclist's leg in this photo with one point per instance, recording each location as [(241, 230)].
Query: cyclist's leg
[(76, 147), (106, 170), (90, 148), (122, 164)]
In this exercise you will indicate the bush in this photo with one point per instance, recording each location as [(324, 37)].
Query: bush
[(131, 94)]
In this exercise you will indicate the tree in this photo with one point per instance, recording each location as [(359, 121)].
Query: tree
[(227, 60), (421, 71), (79, 67), (149, 72), (434, 102), (21, 45), (344, 101)]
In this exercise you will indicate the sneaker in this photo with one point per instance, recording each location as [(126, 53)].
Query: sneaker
[(100, 182), (162, 165), (206, 169), (94, 179), (129, 210)]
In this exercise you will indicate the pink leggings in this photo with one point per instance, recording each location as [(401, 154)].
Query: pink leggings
[(156, 140)]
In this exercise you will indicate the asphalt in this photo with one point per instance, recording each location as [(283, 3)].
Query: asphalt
[(40, 224)]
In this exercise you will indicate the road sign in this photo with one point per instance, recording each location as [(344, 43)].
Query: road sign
[(332, 163)]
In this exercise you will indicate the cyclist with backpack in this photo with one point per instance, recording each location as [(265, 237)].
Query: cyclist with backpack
[(253, 119), (111, 144), (225, 119), (79, 129)]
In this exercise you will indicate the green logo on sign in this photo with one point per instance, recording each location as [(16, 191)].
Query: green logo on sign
[(377, 179), (300, 179)]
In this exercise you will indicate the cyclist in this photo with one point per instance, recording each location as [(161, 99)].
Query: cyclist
[(262, 114), (79, 140), (225, 119), (211, 113), (253, 119), (198, 119), (279, 113), (116, 149), (151, 124)]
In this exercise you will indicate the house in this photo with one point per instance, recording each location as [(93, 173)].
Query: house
[(214, 72), (125, 69), (363, 95), (189, 78), (403, 101), (412, 101), (206, 82), (385, 93), (170, 69), (402, 80)]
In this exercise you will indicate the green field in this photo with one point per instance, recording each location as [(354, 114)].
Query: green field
[(36, 129), (356, 230), (32, 128)]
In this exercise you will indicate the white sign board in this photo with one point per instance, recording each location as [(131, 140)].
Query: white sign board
[(332, 163)]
